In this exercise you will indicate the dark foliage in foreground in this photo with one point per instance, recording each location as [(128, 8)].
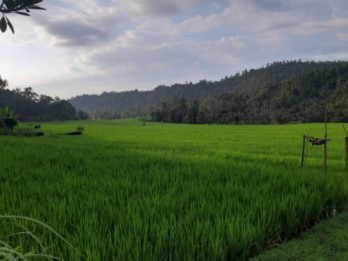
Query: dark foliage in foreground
[(21, 7)]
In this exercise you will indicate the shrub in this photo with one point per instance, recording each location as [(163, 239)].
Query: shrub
[(5, 132), (25, 132), (80, 129), (8, 120), (74, 133)]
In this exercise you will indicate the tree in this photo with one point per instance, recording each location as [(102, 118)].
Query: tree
[(8, 120), (3, 83), (29, 94), (81, 115), (21, 7), (45, 100)]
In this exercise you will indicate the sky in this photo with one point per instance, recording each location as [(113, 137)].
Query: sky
[(92, 46)]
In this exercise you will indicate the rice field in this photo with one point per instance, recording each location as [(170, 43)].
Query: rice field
[(124, 191)]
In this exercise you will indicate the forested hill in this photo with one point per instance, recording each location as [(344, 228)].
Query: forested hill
[(279, 92)]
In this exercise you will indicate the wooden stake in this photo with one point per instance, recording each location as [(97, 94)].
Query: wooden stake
[(303, 151), (346, 140), (346, 146), (345, 130), (325, 145)]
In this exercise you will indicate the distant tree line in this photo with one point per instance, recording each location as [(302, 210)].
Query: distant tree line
[(29, 106), (122, 103), (301, 98), (280, 92)]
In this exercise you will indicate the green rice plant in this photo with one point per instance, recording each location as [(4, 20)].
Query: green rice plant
[(10, 252), (167, 191)]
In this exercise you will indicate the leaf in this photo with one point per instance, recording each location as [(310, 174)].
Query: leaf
[(3, 24), (36, 7), (8, 4), (34, 2), (10, 25), (22, 13), (11, 4)]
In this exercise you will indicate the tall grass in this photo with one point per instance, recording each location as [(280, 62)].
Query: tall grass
[(176, 192), (12, 249)]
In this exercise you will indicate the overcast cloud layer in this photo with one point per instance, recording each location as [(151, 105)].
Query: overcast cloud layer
[(91, 46)]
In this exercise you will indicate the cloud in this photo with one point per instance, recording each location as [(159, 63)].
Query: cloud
[(204, 46), (139, 57), (342, 37), (75, 33), (169, 8), (338, 56), (155, 7), (87, 25), (328, 26), (269, 5)]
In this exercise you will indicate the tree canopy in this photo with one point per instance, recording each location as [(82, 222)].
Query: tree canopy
[(21, 7)]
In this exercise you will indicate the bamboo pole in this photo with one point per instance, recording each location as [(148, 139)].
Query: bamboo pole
[(303, 151), (346, 146), (325, 146), (344, 127), (346, 141)]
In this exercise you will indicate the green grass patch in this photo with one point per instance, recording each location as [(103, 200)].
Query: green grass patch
[(326, 241)]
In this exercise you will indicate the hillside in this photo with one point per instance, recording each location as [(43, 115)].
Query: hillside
[(279, 92)]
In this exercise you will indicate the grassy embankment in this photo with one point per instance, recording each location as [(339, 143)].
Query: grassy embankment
[(326, 241), (174, 192)]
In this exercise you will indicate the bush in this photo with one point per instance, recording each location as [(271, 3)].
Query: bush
[(8, 120), (5, 132), (9, 123), (80, 129), (74, 133), (25, 132)]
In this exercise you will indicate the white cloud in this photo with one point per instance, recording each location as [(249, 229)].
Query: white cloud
[(86, 25), (342, 37), (164, 7), (334, 56), (328, 26)]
